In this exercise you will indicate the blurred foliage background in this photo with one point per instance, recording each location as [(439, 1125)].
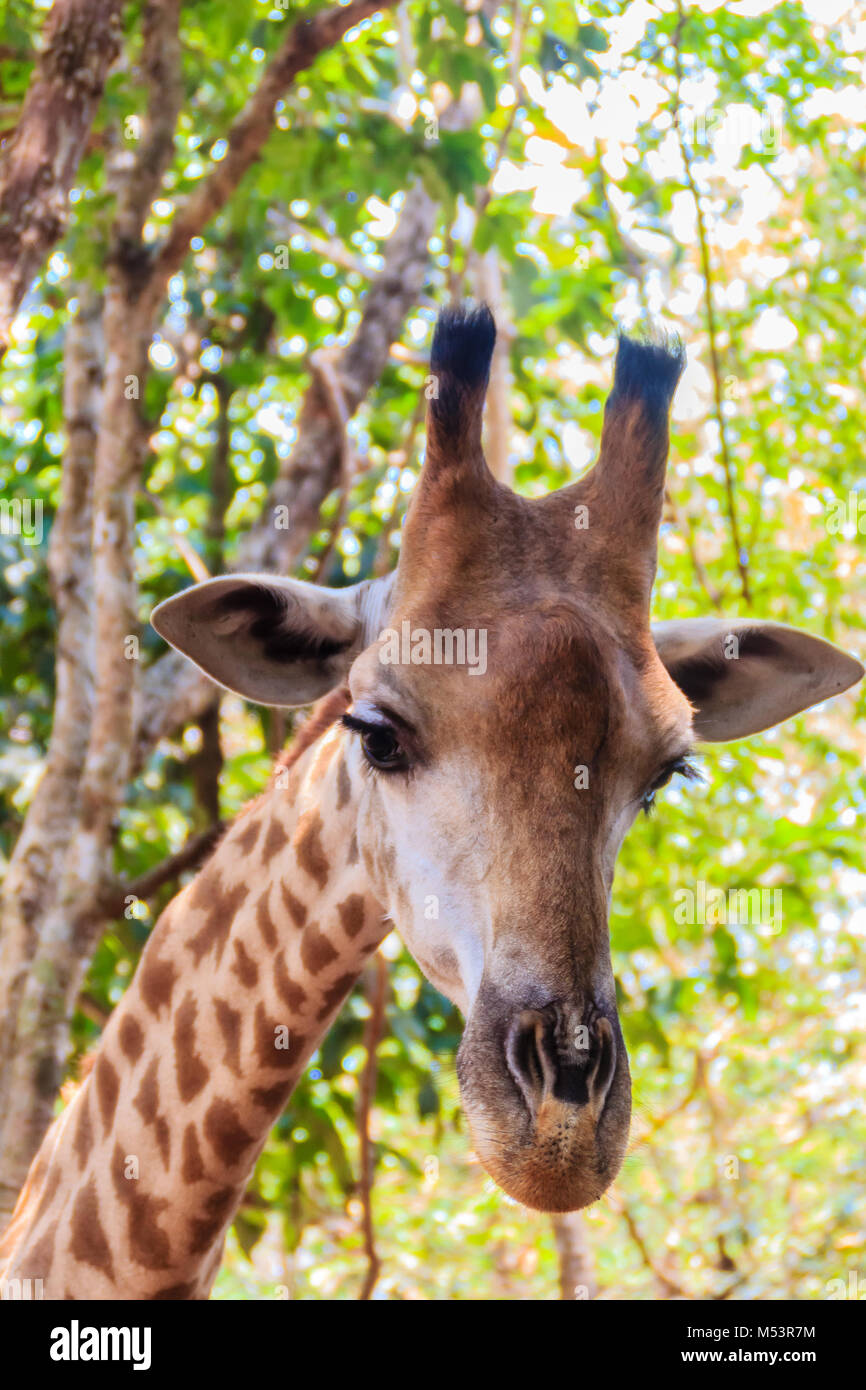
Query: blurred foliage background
[(704, 167)]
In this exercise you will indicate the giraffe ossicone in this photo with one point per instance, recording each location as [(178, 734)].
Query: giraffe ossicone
[(428, 783)]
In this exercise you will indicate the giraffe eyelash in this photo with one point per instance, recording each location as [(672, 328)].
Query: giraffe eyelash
[(682, 767)]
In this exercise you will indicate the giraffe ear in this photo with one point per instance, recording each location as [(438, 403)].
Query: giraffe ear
[(273, 640), (745, 676)]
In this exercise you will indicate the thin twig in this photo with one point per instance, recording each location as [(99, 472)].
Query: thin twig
[(670, 1286), (329, 248), (185, 549), (712, 330), (659, 1121), (190, 856), (372, 1038), (333, 390), (685, 524), (308, 37), (382, 562)]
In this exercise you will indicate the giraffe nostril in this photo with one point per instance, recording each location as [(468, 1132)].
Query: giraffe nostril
[(530, 1050), (543, 1065), (603, 1066)]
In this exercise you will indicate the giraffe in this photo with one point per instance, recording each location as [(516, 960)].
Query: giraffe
[(433, 794)]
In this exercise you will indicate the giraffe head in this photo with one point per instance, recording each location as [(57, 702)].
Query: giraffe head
[(512, 712)]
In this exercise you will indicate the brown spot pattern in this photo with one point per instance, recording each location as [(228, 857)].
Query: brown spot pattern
[(276, 839), (352, 914), (107, 1090), (273, 1098), (344, 784), (316, 950), (289, 992), (225, 1133), (265, 921), (309, 848), (229, 1021), (157, 978), (266, 1038), (189, 1067), (202, 890), (147, 1105), (163, 1139), (88, 1244), (41, 1257), (173, 1291), (83, 1141), (192, 1168), (295, 908), (147, 1100), (214, 931), (131, 1037), (244, 966), (335, 993), (148, 1243), (218, 1207), (247, 837)]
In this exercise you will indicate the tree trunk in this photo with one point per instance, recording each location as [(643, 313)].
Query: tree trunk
[(174, 691), (35, 868), (81, 39), (44, 965), (576, 1265), (61, 879)]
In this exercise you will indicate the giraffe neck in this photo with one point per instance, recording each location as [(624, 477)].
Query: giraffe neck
[(137, 1181)]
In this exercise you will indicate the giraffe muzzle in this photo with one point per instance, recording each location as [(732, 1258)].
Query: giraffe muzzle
[(547, 1093)]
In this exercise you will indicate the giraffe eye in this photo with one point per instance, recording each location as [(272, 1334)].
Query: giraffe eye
[(679, 765), (381, 745), (382, 749)]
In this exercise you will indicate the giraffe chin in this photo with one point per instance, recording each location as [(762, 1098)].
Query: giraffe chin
[(563, 1165)]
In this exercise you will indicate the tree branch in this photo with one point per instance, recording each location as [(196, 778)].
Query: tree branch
[(712, 330), (670, 1288), (116, 895), (174, 692), (313, 468), (576, 1272), (38, 1036), (81, 39), (35, 867), (302, 45), (145, 165), (372, 1038)]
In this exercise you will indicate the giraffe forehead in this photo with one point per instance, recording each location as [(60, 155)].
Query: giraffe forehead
[(475, 674), (569, 677)]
